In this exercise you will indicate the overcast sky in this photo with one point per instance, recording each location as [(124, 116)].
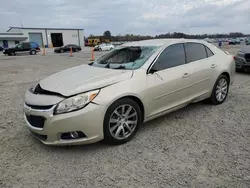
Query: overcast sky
[(129, 16)]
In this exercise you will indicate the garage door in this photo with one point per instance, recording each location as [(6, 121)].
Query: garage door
[(36, 37)]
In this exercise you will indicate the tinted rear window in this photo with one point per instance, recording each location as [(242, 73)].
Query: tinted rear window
[(34, 45), (195, 52)]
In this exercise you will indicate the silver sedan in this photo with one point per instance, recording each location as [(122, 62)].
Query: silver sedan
[(111, 97)]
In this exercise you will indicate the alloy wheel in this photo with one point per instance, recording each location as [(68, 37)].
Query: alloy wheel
[(221, 89), (123, 121)]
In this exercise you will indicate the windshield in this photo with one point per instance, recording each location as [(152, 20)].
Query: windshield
[(129, 57)]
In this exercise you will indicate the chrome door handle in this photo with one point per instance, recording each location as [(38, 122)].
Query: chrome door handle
[(185, 75), (213, 66)]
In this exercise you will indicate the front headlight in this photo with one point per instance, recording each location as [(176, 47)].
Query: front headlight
[(76, 102)]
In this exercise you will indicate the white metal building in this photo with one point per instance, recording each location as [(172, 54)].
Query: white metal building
[(10, 39), (48, 37)]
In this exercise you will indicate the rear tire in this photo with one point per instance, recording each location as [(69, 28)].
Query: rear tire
[(121, 121), (61, 51), (12, 54), (32, 52), (220, 90)]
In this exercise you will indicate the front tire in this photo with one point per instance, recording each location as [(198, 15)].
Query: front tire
[(220, 90), (61, 51), (121, 121)]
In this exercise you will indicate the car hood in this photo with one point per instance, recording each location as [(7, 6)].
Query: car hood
[(83, 78)]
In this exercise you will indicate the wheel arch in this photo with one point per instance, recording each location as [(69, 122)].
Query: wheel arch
[(227, 75), (136, 99)]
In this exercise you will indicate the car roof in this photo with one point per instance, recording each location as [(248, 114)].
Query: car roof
[(161, 42)]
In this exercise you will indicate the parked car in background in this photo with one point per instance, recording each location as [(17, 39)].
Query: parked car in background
[(242, 59), (234, 41), (247, 41), (231, 42), (209, 40), (22, 48), (66, 48), (104, 47), (116, 43), (238, 41), (111, 97), (1, 48)]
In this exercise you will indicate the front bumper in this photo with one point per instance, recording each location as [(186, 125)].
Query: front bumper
[(88, 120)]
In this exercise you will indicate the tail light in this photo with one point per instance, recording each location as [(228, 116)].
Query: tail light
[(234, 57)]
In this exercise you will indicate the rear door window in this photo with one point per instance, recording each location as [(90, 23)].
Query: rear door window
[(26, 46), (195, 52), (172, 56)]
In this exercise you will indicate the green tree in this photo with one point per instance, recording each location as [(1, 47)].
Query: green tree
[(107, 34)]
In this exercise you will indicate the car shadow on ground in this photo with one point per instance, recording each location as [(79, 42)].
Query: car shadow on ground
[(243, 72)]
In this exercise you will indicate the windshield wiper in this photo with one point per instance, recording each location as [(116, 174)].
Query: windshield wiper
[(120, 67)]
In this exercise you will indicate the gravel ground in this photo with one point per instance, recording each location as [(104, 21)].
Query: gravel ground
[(199, 146)]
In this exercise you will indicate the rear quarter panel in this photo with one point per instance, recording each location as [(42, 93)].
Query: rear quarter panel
[(226, 64)]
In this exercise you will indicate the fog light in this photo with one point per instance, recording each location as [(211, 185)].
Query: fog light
[(74, 134)]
